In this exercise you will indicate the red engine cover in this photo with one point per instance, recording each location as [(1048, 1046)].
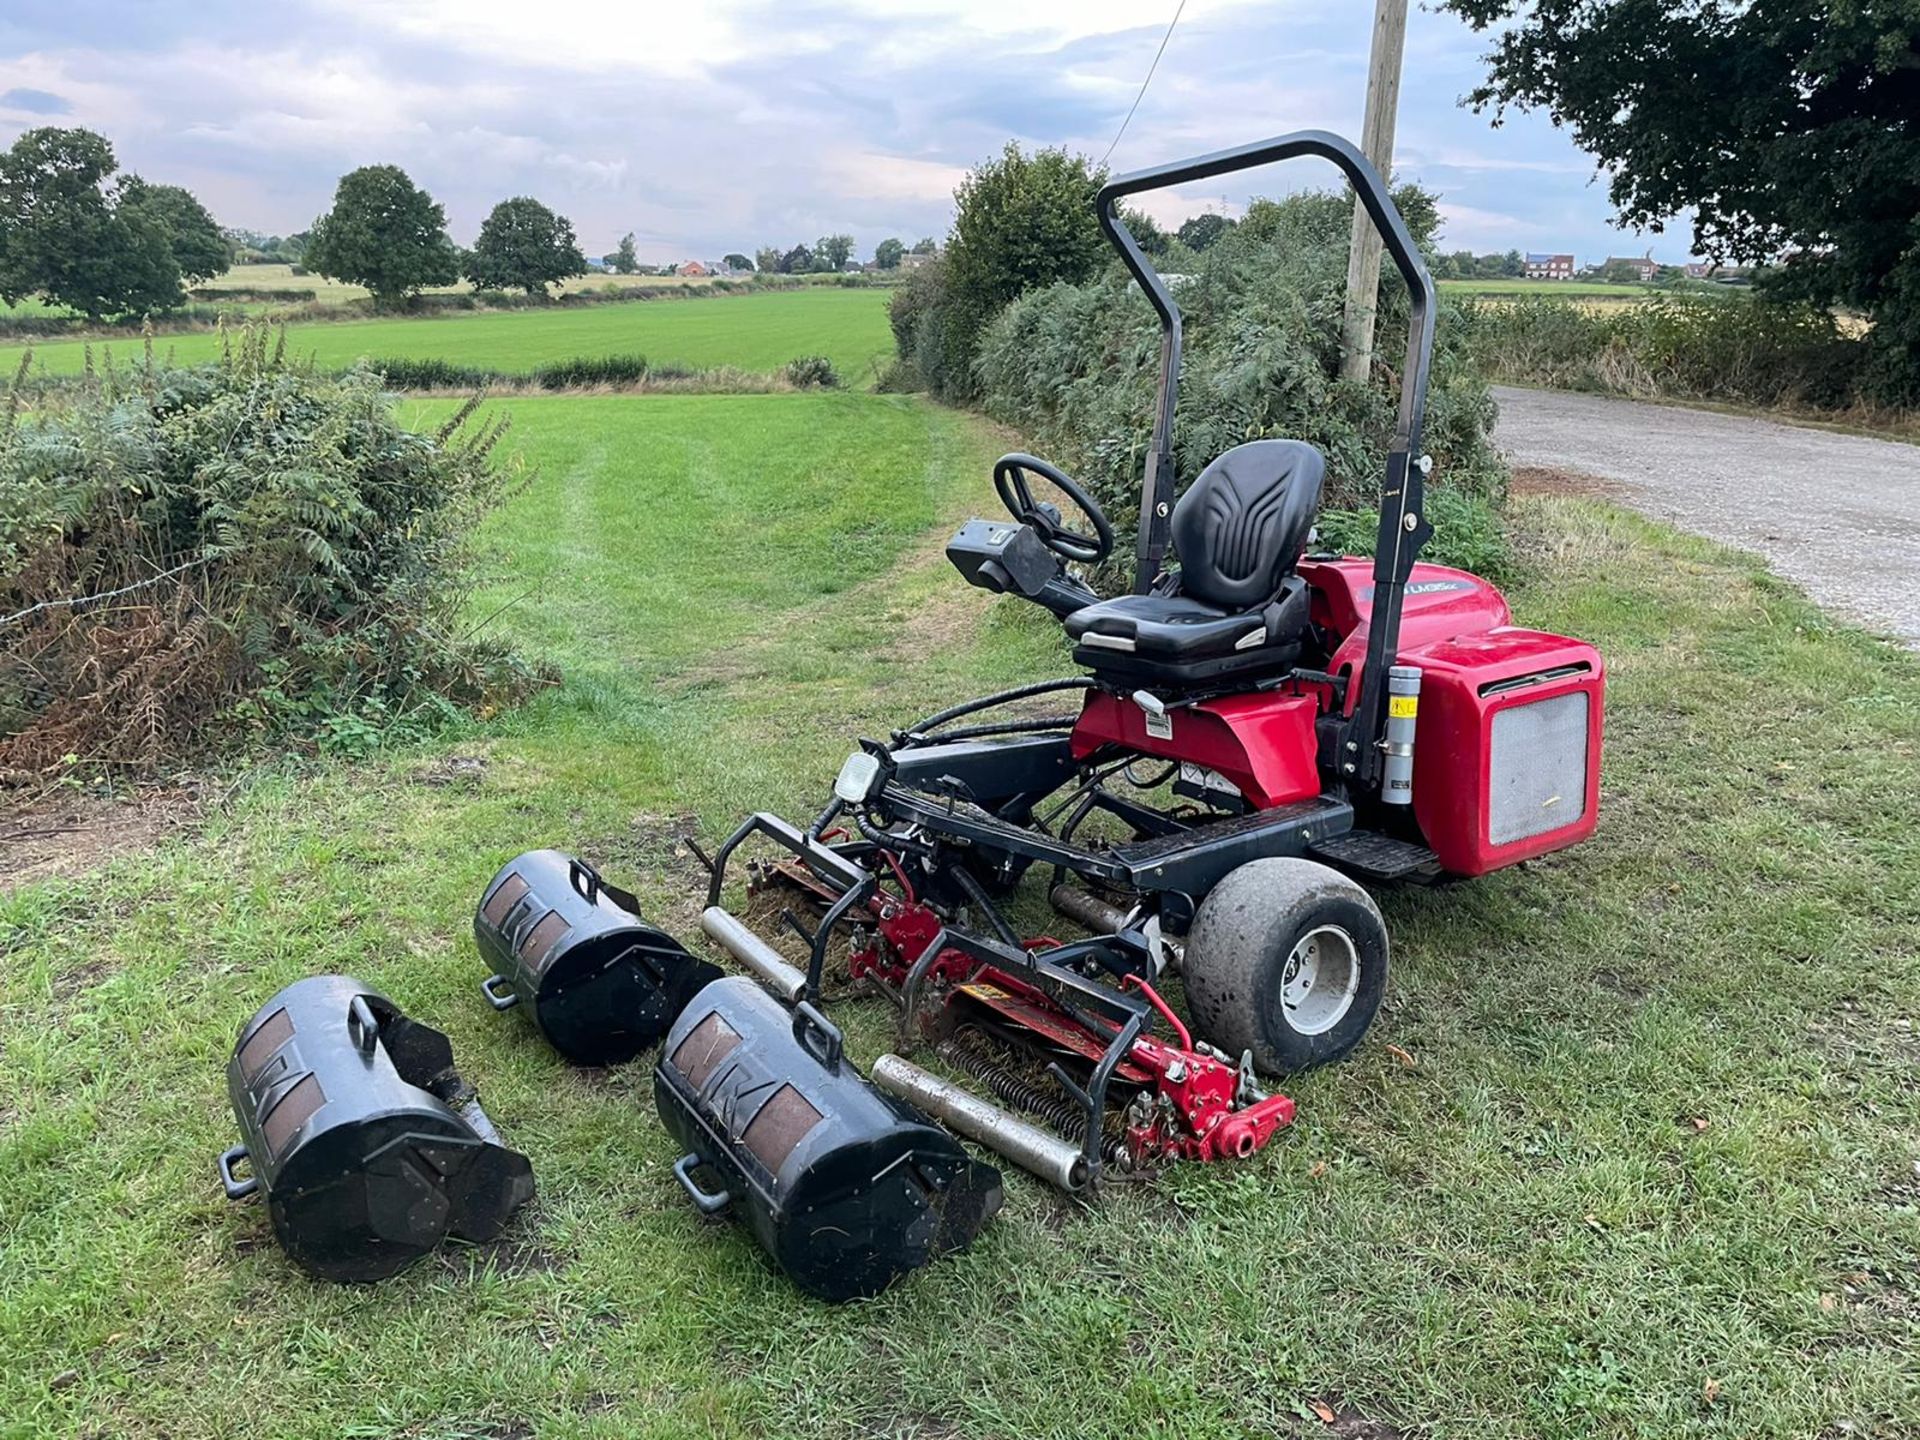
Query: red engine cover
[(1484, 790), (1490, 791), (1440, 603), (1263, 743)]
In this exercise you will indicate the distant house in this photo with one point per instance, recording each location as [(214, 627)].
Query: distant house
[(693, 268), (912, 261), (1725, 274), (1644, 267), (1549, 267)]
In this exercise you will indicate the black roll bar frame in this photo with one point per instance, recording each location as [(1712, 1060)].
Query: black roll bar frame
[(1403, 523)]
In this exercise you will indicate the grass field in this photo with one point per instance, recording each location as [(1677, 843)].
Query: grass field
[(750, 332), (1550, 289), (281, 277), (1642, 1161)]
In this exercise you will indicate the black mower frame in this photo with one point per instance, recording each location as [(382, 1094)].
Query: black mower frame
[(1404, 529)]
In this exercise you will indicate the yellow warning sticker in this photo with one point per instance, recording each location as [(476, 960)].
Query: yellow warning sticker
[(1403, 707), (982, 991)]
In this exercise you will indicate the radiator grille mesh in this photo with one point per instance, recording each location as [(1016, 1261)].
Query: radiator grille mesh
[(504, 899), (1537, 779), (540, 941), (706, 1045), (290, 1112)]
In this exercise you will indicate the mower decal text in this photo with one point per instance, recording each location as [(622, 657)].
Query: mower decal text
[(1425, 587)]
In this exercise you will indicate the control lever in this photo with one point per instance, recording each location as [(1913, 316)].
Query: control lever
[(1159, 723)]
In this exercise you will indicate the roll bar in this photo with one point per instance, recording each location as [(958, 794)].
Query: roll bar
[(1403, 522)]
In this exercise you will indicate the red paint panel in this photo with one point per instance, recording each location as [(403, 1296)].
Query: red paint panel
[(1453, 742), (1441, 603), (1263, 743)]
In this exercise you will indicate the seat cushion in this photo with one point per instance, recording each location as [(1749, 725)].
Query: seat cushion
[(1175, 641), (1177, 627)]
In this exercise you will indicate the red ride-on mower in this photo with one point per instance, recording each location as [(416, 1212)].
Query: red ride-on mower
[(1258, 731)]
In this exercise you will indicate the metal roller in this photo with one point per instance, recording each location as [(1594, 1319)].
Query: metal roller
[(766, 963), (1054, 1160), (1089, 910)]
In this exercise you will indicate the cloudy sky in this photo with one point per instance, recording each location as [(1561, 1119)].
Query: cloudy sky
[(729, 124)]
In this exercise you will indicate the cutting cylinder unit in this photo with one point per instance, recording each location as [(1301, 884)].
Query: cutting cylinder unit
[(846, 1187), (572, 951), (370, 1147)]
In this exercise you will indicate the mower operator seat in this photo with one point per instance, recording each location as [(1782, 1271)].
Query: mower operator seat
[(1235, 607)]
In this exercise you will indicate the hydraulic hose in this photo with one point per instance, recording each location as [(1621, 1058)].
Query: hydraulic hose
[(916, 733)]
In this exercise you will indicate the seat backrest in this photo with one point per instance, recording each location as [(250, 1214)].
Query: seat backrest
[(1243, 523)]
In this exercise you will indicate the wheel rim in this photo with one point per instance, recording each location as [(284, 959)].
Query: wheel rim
[(1321, 977)]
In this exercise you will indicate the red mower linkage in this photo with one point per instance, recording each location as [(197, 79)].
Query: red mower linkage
[(1122, 1096)]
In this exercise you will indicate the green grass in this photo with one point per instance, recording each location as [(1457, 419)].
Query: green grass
[(1564, 289), (747, 332), (1524, 1232), (281, 277)]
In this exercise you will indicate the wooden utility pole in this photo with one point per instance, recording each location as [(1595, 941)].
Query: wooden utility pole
[(1376, 139)]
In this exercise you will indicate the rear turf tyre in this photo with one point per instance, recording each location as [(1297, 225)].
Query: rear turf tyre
[(1288, 959)]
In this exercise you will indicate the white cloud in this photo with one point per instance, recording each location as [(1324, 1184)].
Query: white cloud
[(737, 123), (1465, 227), (876, 176), (582, 34), (1445, 157)]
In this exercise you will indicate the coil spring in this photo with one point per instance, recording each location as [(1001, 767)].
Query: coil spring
[(1044, 1103)]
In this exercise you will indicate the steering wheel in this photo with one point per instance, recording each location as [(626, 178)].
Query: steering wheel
[(1010, 481)]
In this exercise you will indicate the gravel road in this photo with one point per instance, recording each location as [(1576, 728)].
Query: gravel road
[(1834, 513)]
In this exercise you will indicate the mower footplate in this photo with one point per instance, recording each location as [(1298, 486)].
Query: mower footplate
[(1376, 856)]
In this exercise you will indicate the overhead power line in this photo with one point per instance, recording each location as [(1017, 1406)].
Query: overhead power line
[(1146, 82)]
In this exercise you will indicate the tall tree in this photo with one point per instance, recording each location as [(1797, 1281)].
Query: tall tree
[(1202, 230), (1021, 221), (624, 260), (925, 246), (59, 238), (738, 261), (767, 260), (1788, 127), (831, 252), (524, 245), (797, 261), (384, 232), (1153, 240), (886, 255), (70, 237), (199, 250)]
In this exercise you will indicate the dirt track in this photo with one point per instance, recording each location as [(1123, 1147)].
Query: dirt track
[(1838, 514)]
